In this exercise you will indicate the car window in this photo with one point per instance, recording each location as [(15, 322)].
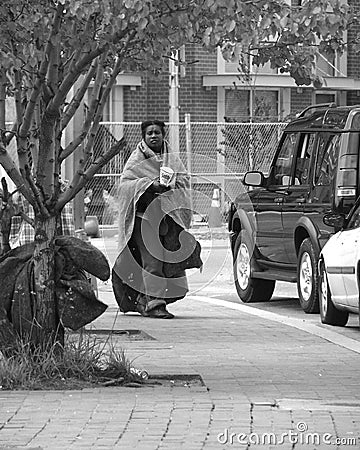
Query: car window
[(302, 166), (354, 221), (281, 169), (327, 154)]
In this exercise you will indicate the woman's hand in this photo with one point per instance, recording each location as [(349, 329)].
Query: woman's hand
[(159, 188)]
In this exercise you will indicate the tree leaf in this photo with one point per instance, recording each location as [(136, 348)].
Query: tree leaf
[(143, 23), (316, 10), (230, 26)]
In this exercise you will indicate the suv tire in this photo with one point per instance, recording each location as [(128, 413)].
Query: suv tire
[(250, 290), (307, 278), (328, 313)]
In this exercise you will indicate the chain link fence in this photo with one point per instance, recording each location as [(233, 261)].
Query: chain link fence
[(215, 154)]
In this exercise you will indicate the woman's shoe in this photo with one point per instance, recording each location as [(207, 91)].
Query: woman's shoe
[(152, 307), (160, 312), (141, 308)]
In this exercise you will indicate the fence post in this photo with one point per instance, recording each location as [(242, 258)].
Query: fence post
[(188, 142), (221, 162), (251, 146)]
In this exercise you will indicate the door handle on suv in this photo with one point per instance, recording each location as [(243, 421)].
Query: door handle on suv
[(279, 200), (300, 200)]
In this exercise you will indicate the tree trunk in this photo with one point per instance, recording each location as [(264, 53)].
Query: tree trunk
[(47, 326)]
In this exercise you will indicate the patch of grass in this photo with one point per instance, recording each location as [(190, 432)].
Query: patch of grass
[(82, 362)]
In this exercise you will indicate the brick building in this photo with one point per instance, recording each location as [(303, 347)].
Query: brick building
[(207, 90)]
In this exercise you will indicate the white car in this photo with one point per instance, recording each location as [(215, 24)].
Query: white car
[(339, 269)]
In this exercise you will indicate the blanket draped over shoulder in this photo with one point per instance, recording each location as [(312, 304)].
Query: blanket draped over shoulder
[(141, 169)]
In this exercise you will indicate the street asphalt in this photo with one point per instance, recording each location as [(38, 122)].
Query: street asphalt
[(222, 375)]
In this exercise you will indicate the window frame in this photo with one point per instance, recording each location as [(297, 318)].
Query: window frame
[(277, 157), (330, 138), (305, 140)]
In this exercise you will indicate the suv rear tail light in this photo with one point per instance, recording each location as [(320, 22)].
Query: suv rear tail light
[(346, 192)]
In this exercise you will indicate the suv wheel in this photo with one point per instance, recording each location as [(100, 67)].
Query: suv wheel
[(328, 313), (249, 289), (307, 278)]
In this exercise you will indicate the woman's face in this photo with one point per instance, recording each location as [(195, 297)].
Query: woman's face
[(154, 138)]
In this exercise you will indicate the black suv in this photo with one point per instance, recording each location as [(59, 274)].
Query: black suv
[(278, 235)]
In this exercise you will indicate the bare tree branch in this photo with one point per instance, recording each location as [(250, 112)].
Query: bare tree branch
[(37, 194), (52, 75), (33, 138), (76, 56), (94, 105), (81, 178), (3, 83), (98, 115), (76, 68), (74, 74), (46, 159), (26, 218), (10, 167), (76, 100), (26, 123)]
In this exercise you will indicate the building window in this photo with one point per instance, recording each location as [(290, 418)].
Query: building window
[(245, 105), (236, 68), (237, 104), (325, 65), (325, 98)]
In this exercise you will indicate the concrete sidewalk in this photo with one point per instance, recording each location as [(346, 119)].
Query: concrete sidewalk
[(228, 379)]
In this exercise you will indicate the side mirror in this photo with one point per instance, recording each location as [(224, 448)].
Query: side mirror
[(334, 220), (253, 178)]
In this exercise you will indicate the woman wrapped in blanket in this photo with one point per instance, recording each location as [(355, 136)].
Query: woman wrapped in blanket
[(148, 210)]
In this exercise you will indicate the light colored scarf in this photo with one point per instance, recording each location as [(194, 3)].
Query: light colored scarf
[(141, 169)]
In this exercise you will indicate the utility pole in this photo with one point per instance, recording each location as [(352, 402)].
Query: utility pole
[(174, 102)]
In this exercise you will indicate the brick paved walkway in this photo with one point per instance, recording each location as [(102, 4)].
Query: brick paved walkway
[(227, 373)]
